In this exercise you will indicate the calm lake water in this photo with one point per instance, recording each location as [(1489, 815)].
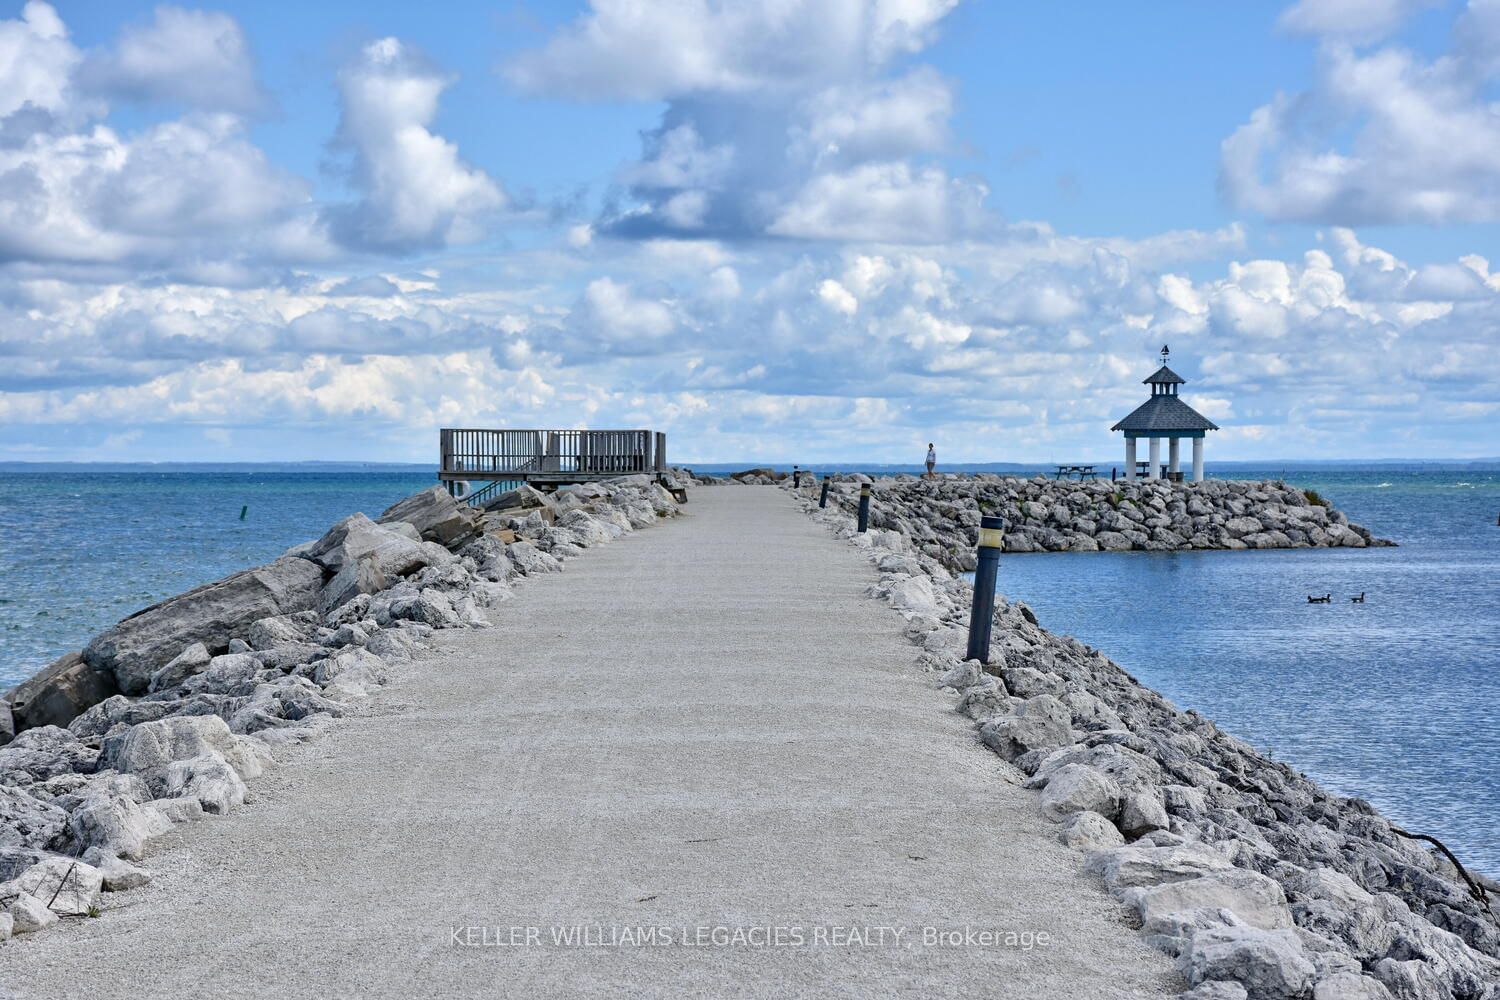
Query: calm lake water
[(80, 550), (1396, 700)]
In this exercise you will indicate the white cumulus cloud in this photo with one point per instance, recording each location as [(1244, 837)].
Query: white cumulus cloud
[(1383, 136), (414, 189), (193, 57)]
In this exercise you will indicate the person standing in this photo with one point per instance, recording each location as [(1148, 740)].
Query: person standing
[(931, 459)]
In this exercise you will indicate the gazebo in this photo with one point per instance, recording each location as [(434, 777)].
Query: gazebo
[(1164, 415)]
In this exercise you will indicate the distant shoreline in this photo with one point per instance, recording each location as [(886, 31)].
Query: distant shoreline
[(1301, 464)]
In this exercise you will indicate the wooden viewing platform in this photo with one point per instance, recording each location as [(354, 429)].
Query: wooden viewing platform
[(545, 458)]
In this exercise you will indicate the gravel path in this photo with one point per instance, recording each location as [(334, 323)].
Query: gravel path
[(703, 725)]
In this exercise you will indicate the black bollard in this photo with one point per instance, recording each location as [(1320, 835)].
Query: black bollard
[(982, 615), (796, 478), (823, 497), (864, 507)]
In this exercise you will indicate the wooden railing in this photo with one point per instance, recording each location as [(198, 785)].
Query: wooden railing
[(494, 454)]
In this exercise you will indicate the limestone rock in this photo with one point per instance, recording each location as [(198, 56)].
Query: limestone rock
[(1257, 901), (1127, 867), (231, 673), (115, 824), (184, 665), (962, 676), (489, 558), (207, 778), (984, 699), (1350, 986), (29, 914), (353, 610), (59, 692), (429, 607), (358, 539), (1270, 964), (1041, 723), (46, 752), (140, 645), (197, 756), (354, 578), (914, 594), (179, 810), (281, 630), (521, 498), (26, 821), (1215, 989), (354, 672), (286, 655), (530, 560), (65, 886), (117, 873), (436, 555), (1078, 788), (1089, 831), (7, 723), (1142, 812), (436, 516)]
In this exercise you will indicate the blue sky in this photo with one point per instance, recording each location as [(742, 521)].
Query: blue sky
[(779, 230)]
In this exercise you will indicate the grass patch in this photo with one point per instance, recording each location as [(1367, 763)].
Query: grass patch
[(1315, 498)]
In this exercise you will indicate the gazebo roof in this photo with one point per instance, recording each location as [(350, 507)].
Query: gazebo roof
[(1165, 414), (1165, 376)]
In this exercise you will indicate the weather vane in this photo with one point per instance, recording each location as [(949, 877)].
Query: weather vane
[(1165, 354)]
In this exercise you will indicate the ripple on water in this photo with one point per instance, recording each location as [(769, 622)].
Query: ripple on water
[(1394, 700)]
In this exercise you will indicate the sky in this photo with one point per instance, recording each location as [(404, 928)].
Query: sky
[(778, 230)]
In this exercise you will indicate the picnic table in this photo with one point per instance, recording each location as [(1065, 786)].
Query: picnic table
[(1079, 471)]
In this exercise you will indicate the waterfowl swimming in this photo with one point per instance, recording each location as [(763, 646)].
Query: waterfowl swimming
[(1325, 599), (1358, 600)]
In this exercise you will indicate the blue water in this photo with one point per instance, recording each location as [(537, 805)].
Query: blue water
[(80, 550), (1396, 700)]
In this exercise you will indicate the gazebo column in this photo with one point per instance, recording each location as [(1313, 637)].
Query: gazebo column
[(1155, 471), (1129, 457), (1174, 455), (1198, 459)]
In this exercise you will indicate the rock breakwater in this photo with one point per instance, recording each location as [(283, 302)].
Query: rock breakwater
[(165, 717), (1044, 515), (1258, 882)]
